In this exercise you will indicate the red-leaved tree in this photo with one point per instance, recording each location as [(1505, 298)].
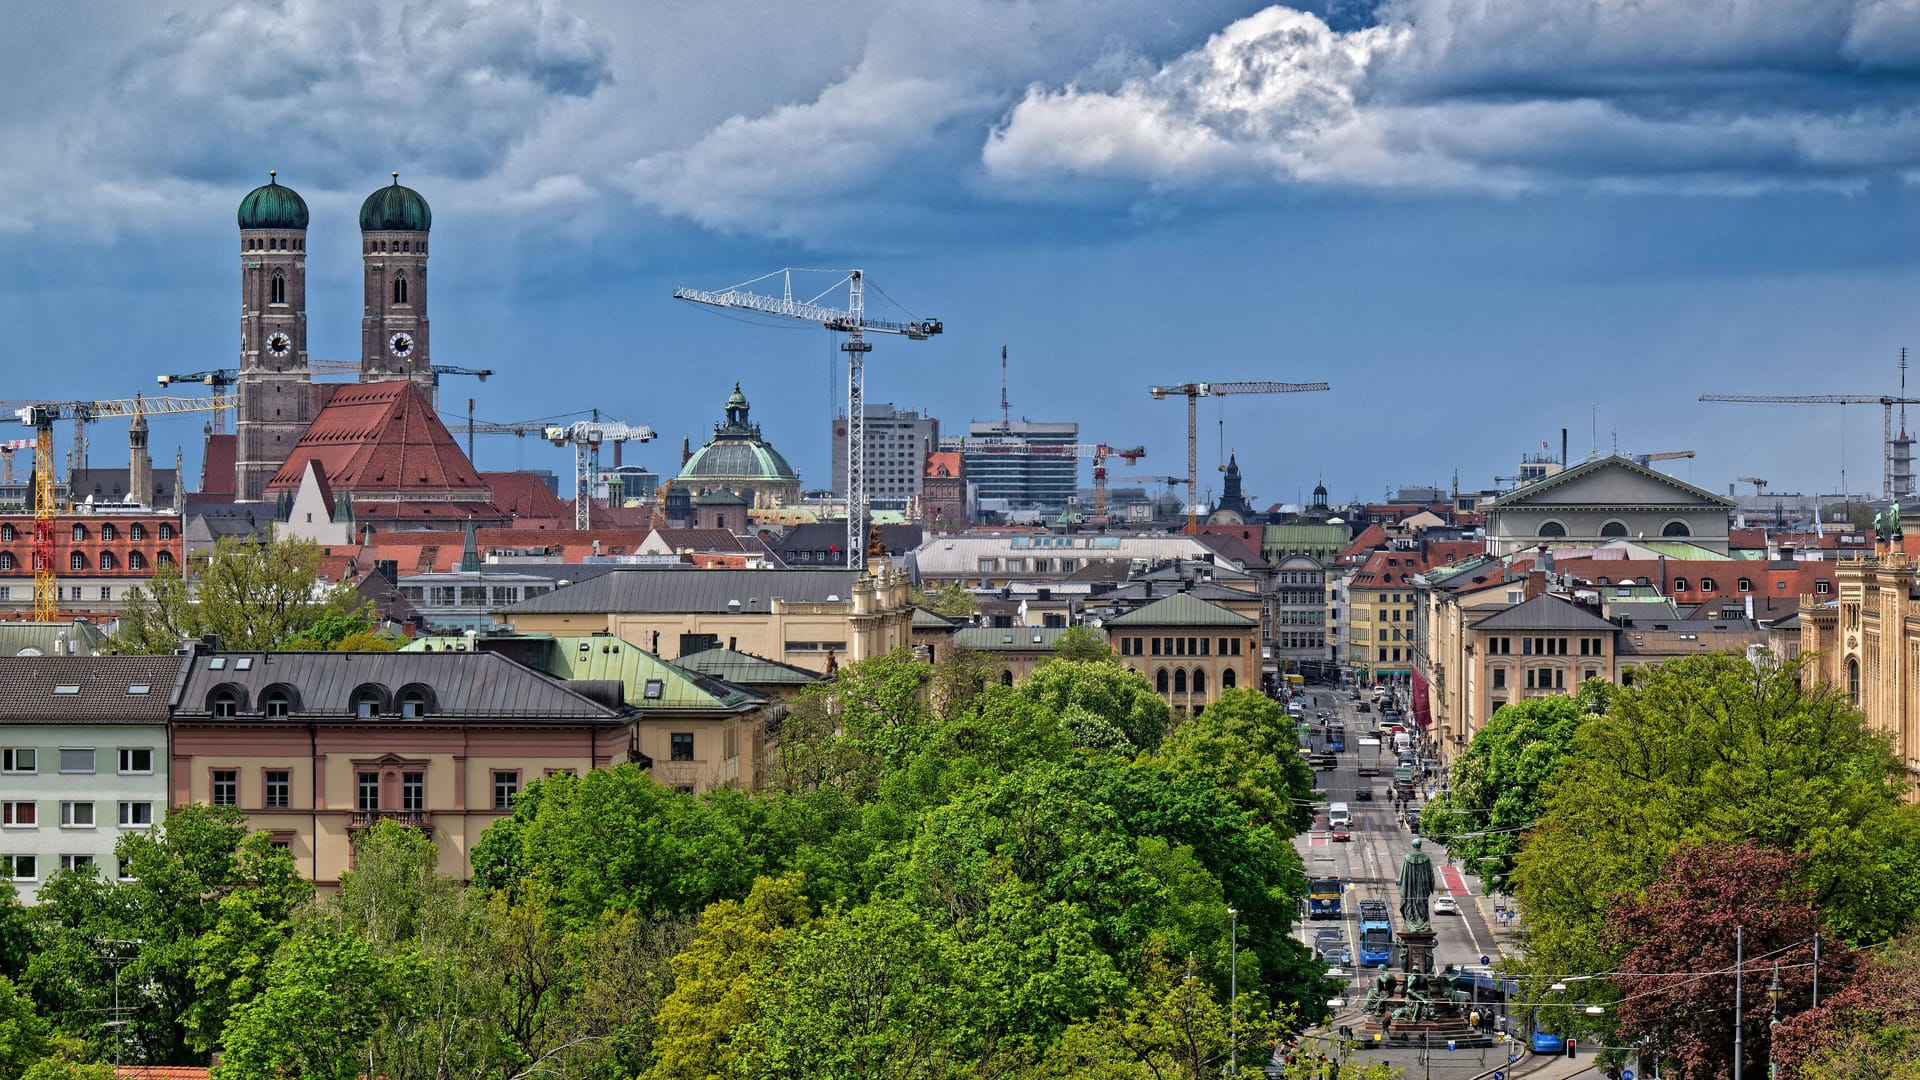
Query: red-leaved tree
[(1676, 981), (1869, 1027)]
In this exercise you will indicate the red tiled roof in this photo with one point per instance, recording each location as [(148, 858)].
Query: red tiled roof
[(947, 460), (1370, 537), (217, 465), (163, 1072), (383, 438), (1746, 538), (1395, 567), (526, 496)]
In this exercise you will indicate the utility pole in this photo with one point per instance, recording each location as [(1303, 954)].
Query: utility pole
[(1233, 1005), (1739, 1003)]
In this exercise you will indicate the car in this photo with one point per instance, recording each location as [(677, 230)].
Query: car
[(1444, 905), (1330, 945), (1343, 834), (1364, 707), (1364, 794)]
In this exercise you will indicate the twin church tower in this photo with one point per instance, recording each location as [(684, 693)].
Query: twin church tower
[(278, 398)]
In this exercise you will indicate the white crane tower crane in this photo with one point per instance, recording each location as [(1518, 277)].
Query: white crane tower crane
[(585, 436), (852, 321)]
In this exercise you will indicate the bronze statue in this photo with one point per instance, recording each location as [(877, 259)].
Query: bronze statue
[(1416, 888)]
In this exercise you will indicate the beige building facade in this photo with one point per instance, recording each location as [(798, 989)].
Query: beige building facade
[(1188, 648), (1867, 643)]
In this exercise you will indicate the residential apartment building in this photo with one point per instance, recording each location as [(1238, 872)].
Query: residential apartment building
[(83, 760), (897, 444), (1379, 605), (1296, 636), (815, 619), (316, 748), (1189, 648)]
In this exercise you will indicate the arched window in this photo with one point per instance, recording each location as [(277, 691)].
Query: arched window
[(369, 701), (108, 532), (165, 558), (278, 291), (1853, 680), (1179, 680), (77, 561), (166, 532), (136, 561), (1614, 528), (400, 288), (276, 701), (1553, 529), (1227, 680), (6, 560), (1160, 681), (1199, 681), (225, 700), (107, 561), (1006, 678), (6, 534), (416, 701), (1676, 528), (136, 531)]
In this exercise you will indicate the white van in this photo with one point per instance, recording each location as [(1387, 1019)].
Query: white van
[(1338, 814)]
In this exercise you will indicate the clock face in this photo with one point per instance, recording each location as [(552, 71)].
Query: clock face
[(400, 345), (279, 345)]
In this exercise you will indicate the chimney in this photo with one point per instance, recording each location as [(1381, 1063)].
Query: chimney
[(1563, 448), (1536, 583)]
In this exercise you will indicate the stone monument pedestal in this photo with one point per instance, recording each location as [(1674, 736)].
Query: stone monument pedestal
[(1417, 951)]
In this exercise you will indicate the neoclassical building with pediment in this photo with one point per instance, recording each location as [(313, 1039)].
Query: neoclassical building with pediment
[(1603, 500)]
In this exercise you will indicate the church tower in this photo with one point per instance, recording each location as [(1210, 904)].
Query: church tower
[(393, 244), (275, 387)]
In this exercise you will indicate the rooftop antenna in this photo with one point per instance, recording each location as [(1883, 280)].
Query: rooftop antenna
[(1006, 416), (1903, 391), (1593, 431)]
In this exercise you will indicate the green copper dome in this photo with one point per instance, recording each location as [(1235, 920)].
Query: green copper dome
[(395, 209), (737, 452), (273, 205)]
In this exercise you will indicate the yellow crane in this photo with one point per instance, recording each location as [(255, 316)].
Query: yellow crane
[(1193, 392), (40, 416)]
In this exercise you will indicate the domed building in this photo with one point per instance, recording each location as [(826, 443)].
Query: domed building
[(737, 459)]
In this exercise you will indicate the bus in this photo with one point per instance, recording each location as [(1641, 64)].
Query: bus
[(1337, 738), (1323, 898), (1376, 934)]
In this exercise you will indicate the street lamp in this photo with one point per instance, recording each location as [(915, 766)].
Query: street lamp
[(1233, 1005), (1774, 994)]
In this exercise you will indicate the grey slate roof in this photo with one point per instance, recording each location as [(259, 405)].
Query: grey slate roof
[(465, 685), (1013, 638), (1149, 590), (746, 669), (105, 689), (1546, 612), (679, 591), (932, 620), (1181, 609)]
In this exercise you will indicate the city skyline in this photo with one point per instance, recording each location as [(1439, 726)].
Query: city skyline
[(1476, 247)]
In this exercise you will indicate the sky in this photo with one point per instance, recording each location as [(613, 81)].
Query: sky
[(1481, 221)]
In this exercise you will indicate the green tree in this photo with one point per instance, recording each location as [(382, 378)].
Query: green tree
[(1081, 644), (713, 1000), (341, 630), (16, 933), (1169, 1026), (23, 1035), (949, 599), (1712, 748), (1498, 788), (251, 594), (328, 992), (1122, 697), (1246, 745)]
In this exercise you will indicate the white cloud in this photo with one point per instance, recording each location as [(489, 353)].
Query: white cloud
[(1487, 94)]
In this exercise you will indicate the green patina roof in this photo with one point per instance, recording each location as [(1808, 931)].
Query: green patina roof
[(44, 638), (1181, 609), (735, 459), (747, 669), (1013, 638), (1680, 549), (273, 205), (394, 208), (602, 656)]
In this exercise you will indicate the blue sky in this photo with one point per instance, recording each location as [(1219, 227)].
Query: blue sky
[(1480, 220)]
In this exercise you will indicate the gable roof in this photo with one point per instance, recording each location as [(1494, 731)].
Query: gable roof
[(1546, 612), (103, 689), (1181, 609), (747, 669), (1014, 638), (650, 682), (686, 591), (1527, 492)]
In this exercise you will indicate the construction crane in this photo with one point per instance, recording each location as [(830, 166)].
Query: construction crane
[(1665, 455), (585, 436), (83, 413), (1193, 392), (7, 449), (221, 378), (1099, 452), (853, 322), (40, 416), (1897, 476), (1759, 484)]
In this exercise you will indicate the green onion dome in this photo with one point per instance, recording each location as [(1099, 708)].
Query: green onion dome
[(395, 209), (273, 205)]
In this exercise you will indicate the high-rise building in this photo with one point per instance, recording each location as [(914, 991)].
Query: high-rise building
[(1017, 467), (898, 442)]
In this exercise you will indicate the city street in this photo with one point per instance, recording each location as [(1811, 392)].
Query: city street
[(1367, 866)]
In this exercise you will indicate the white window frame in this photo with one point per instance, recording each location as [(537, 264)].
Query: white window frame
[(124, 758), (10, 760), (75, 862), (10, 814), (127, 805), (68, 816), (12, 867)]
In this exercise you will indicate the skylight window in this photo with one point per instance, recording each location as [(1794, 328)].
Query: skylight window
[(140, 688), (242, 664), (66, 689), (218, 663)]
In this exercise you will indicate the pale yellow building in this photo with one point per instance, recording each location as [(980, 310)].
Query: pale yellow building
[(1188, 648), (814, 619), (1867, 642)]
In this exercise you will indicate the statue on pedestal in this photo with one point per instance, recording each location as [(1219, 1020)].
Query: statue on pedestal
[(1416, 888)]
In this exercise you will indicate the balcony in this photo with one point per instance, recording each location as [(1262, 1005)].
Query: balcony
[(362, 820)]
